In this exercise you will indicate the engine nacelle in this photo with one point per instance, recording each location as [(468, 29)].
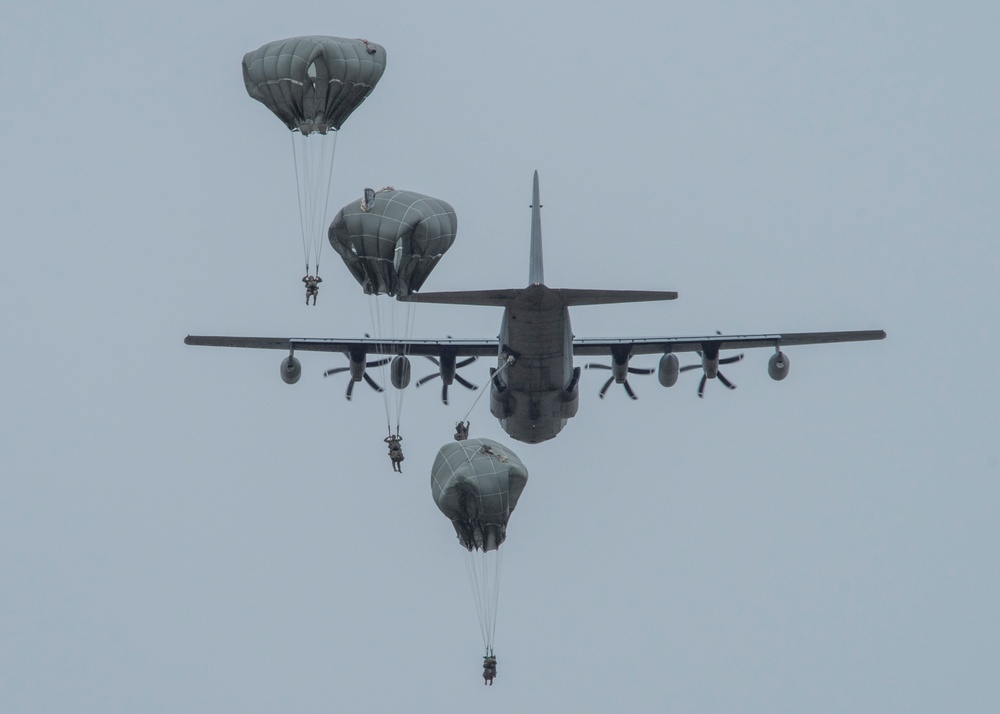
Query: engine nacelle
[(291, 370), (356, 362), (399, 372), (447, 367), (777, 366), (668, 370), (710, 364)]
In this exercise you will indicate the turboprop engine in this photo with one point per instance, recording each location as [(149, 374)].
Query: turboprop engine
[(709, 366), (357, 366), (448, 373), (619, 371)]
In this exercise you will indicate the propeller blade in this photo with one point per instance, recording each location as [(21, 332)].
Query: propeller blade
[(350, 389), (458, 378), (444, 393), (337, 370), (730, 360), (429, 377), (725, 381), (701, 386), (465, 383), (371, 383), (629, 370), (689, 367), (378, 362)]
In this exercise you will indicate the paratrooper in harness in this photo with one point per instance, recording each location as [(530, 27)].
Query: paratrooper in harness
[(489, 669), (395, 451), (461, 431), (312, 287)]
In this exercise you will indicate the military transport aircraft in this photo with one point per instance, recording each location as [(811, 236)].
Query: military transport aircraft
[(534, 389)]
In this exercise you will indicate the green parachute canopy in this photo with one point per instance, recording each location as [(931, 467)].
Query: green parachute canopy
[(313, 83), (476, 483), (391, 240)]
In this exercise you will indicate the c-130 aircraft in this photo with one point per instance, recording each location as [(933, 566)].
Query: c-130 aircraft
[(534, 389)]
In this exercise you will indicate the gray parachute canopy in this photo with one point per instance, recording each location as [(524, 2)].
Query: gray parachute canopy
[(313, 83), (392, 243), (476, 483)]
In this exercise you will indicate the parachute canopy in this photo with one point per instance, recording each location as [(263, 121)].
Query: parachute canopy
[(313, 83), (392, 242), (476, 483)]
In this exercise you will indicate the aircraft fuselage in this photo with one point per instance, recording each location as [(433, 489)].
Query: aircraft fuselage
[(536, 394)]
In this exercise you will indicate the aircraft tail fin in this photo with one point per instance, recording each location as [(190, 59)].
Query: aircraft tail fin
[(536, 292), (536, 275)]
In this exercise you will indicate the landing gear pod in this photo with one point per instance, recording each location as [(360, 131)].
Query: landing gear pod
[(668, 370), (291, 370), (777, 366)]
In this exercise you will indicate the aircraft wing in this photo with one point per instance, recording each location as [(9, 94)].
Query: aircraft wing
[(367, 345), (661, 345), (592, 347)]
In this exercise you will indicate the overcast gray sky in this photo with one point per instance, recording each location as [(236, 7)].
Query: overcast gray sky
[(180, 531)]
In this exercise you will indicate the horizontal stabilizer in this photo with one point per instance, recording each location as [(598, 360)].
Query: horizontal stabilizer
[(496, 298), (568, 297), (573, 296)]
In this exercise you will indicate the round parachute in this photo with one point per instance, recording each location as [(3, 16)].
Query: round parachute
[(313, 83), (391, 240), (476, 483)]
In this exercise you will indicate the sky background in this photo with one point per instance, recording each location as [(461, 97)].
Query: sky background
[(181, 531)]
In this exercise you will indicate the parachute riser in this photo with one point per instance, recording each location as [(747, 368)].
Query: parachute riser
[(315, 127)]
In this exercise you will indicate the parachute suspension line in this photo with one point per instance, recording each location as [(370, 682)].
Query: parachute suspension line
[(393, 395), (375, 311), (403, 319), (474, 584), (409, 312), (326, 199), (313, 156), (311, 190), (391, 320), (491, 588), (506, 364), (496, 595), (298, 195), (484, 570)]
